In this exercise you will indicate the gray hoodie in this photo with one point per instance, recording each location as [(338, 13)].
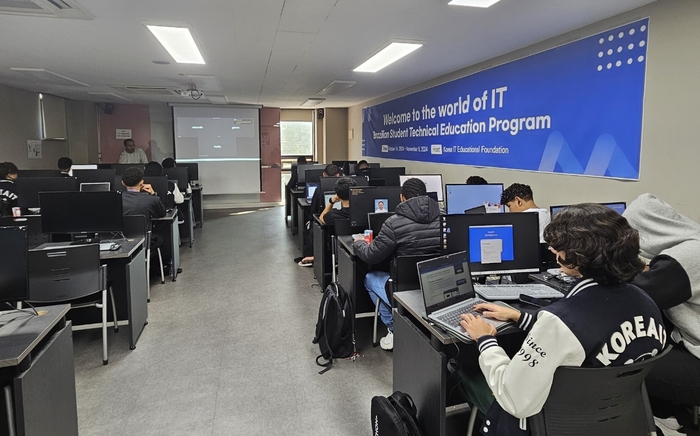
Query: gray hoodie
[(672, 242)]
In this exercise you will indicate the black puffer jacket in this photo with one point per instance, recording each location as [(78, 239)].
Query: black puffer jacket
[(413, 230)]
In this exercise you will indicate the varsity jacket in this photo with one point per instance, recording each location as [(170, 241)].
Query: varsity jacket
[(672, 242), (593, 326), (8, 197)]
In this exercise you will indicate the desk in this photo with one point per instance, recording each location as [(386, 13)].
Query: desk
[(420, 360), (303, 209), (322, 252), (168, 229), (351, 276), (37, 374), (187, 228), (126, 269), (295, 194), (198, 205)]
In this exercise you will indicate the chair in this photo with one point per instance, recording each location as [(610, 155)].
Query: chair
[(135, 226), (596, 402), (71, 274), (402, 277)]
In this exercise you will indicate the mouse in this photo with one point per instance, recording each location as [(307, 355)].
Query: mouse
[(114, 247)]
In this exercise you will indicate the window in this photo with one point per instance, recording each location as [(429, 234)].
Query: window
[(297, 138)]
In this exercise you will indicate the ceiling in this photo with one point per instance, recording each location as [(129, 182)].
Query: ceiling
[(278, 52)]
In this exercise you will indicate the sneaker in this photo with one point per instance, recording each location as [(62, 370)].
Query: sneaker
[(669, 426), (307, 264), (387, 342)]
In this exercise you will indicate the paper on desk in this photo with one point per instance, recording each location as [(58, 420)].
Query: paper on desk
[(491, 250)]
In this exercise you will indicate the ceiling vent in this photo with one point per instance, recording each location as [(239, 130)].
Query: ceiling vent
[(146, 90), (45, 8)]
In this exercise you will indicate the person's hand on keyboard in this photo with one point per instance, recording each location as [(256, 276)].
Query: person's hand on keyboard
[(476, 327), (498, 312)]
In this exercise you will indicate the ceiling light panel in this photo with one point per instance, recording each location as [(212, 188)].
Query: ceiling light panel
[(178, 41), (336, 86), (313, 101), (387, 56), (50, 76), (108, 95), (474, 3)]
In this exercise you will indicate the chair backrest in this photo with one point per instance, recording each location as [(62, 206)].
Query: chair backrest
[(65, 273), (404, 274), (597, 402), (135, 226)]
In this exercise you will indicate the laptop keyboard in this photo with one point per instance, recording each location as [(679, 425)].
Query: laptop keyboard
[(452, 317)]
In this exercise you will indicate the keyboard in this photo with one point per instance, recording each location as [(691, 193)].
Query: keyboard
[(452, 317), (512, 292)]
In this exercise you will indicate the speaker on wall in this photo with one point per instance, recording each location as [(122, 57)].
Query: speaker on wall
[(109, 109), (320, 113)]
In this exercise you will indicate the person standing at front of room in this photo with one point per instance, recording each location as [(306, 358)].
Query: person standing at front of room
[(132, 154)]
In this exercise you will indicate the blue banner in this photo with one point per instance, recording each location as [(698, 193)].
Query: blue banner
[(573, 109)]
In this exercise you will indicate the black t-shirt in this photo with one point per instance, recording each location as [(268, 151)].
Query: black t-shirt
[(336, 214), (8, 197)]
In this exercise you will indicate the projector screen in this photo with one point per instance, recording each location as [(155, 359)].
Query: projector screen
[(225, 142)]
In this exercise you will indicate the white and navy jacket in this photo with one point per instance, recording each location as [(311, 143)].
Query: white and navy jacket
[(594, 326)]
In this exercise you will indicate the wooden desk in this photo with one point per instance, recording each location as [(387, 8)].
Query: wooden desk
[(37, 374), (168, 229), (126, 269)]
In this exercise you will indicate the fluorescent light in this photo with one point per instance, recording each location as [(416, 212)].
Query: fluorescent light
[(178, 41), (336, 86), (474, 3), (390, 54), (313, 101), (49, 76)]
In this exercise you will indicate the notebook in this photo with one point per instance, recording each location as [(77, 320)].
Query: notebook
[(448, 292)]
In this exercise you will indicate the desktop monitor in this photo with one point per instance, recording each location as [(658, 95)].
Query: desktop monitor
[(301, 171), (390, 175), (617, 207), (314, 175), (38, 173), (13, 268), (93, 176), (192, 170), (497, 243), (365, 200), (327, 198), (179, 175), (95, 186), (81, 212), (28, 188), (461, 198), (310, 188), (433, 182), (119, 168), (376, 221)]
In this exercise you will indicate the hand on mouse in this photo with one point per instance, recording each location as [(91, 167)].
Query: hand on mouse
[(498, 312)]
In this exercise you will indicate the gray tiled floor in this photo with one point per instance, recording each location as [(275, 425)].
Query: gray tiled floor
[(228, 350)]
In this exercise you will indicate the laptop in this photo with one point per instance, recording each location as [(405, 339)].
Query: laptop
[(448, 292), (310, 189)]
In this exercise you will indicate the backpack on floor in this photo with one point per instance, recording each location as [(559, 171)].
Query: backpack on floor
[(335, 328), (394, 416)]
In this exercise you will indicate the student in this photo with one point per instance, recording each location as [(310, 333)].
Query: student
[(154, 169), (476, 180), (672, 279), (362, 168), (342, 195), (518, 198), (132, 154), (64, 164), (579, 330), (294, 179), (139, 198), (413, 229), (8, 194)]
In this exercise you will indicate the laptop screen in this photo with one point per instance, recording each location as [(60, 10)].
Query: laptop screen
[(310, 189), (445, 281)]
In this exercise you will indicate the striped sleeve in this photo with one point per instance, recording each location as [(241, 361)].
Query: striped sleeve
[(525, 321)]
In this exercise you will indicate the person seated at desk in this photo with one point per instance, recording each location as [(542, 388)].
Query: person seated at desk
[(342, 195), (518, 198), (413, 229), (362, 168), (8, 194), (139, 198), (153, 169), (132, 154), (672, 279), (583, 329), (476, 180), (169, 162), (294, 179), (64, 165)]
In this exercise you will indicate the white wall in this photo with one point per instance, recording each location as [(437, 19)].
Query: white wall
[(162, 143), (670, 164)]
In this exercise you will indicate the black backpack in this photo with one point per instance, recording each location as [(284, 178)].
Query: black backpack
[(394, 416), (335, 329)]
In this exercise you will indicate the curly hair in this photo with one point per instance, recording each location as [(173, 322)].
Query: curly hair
[(413, 187), (516, 190), (596, 240), (476, 180)]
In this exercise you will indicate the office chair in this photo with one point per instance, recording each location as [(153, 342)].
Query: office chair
[(596, 402), (135, 226), (402, 277), (71, 274)]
